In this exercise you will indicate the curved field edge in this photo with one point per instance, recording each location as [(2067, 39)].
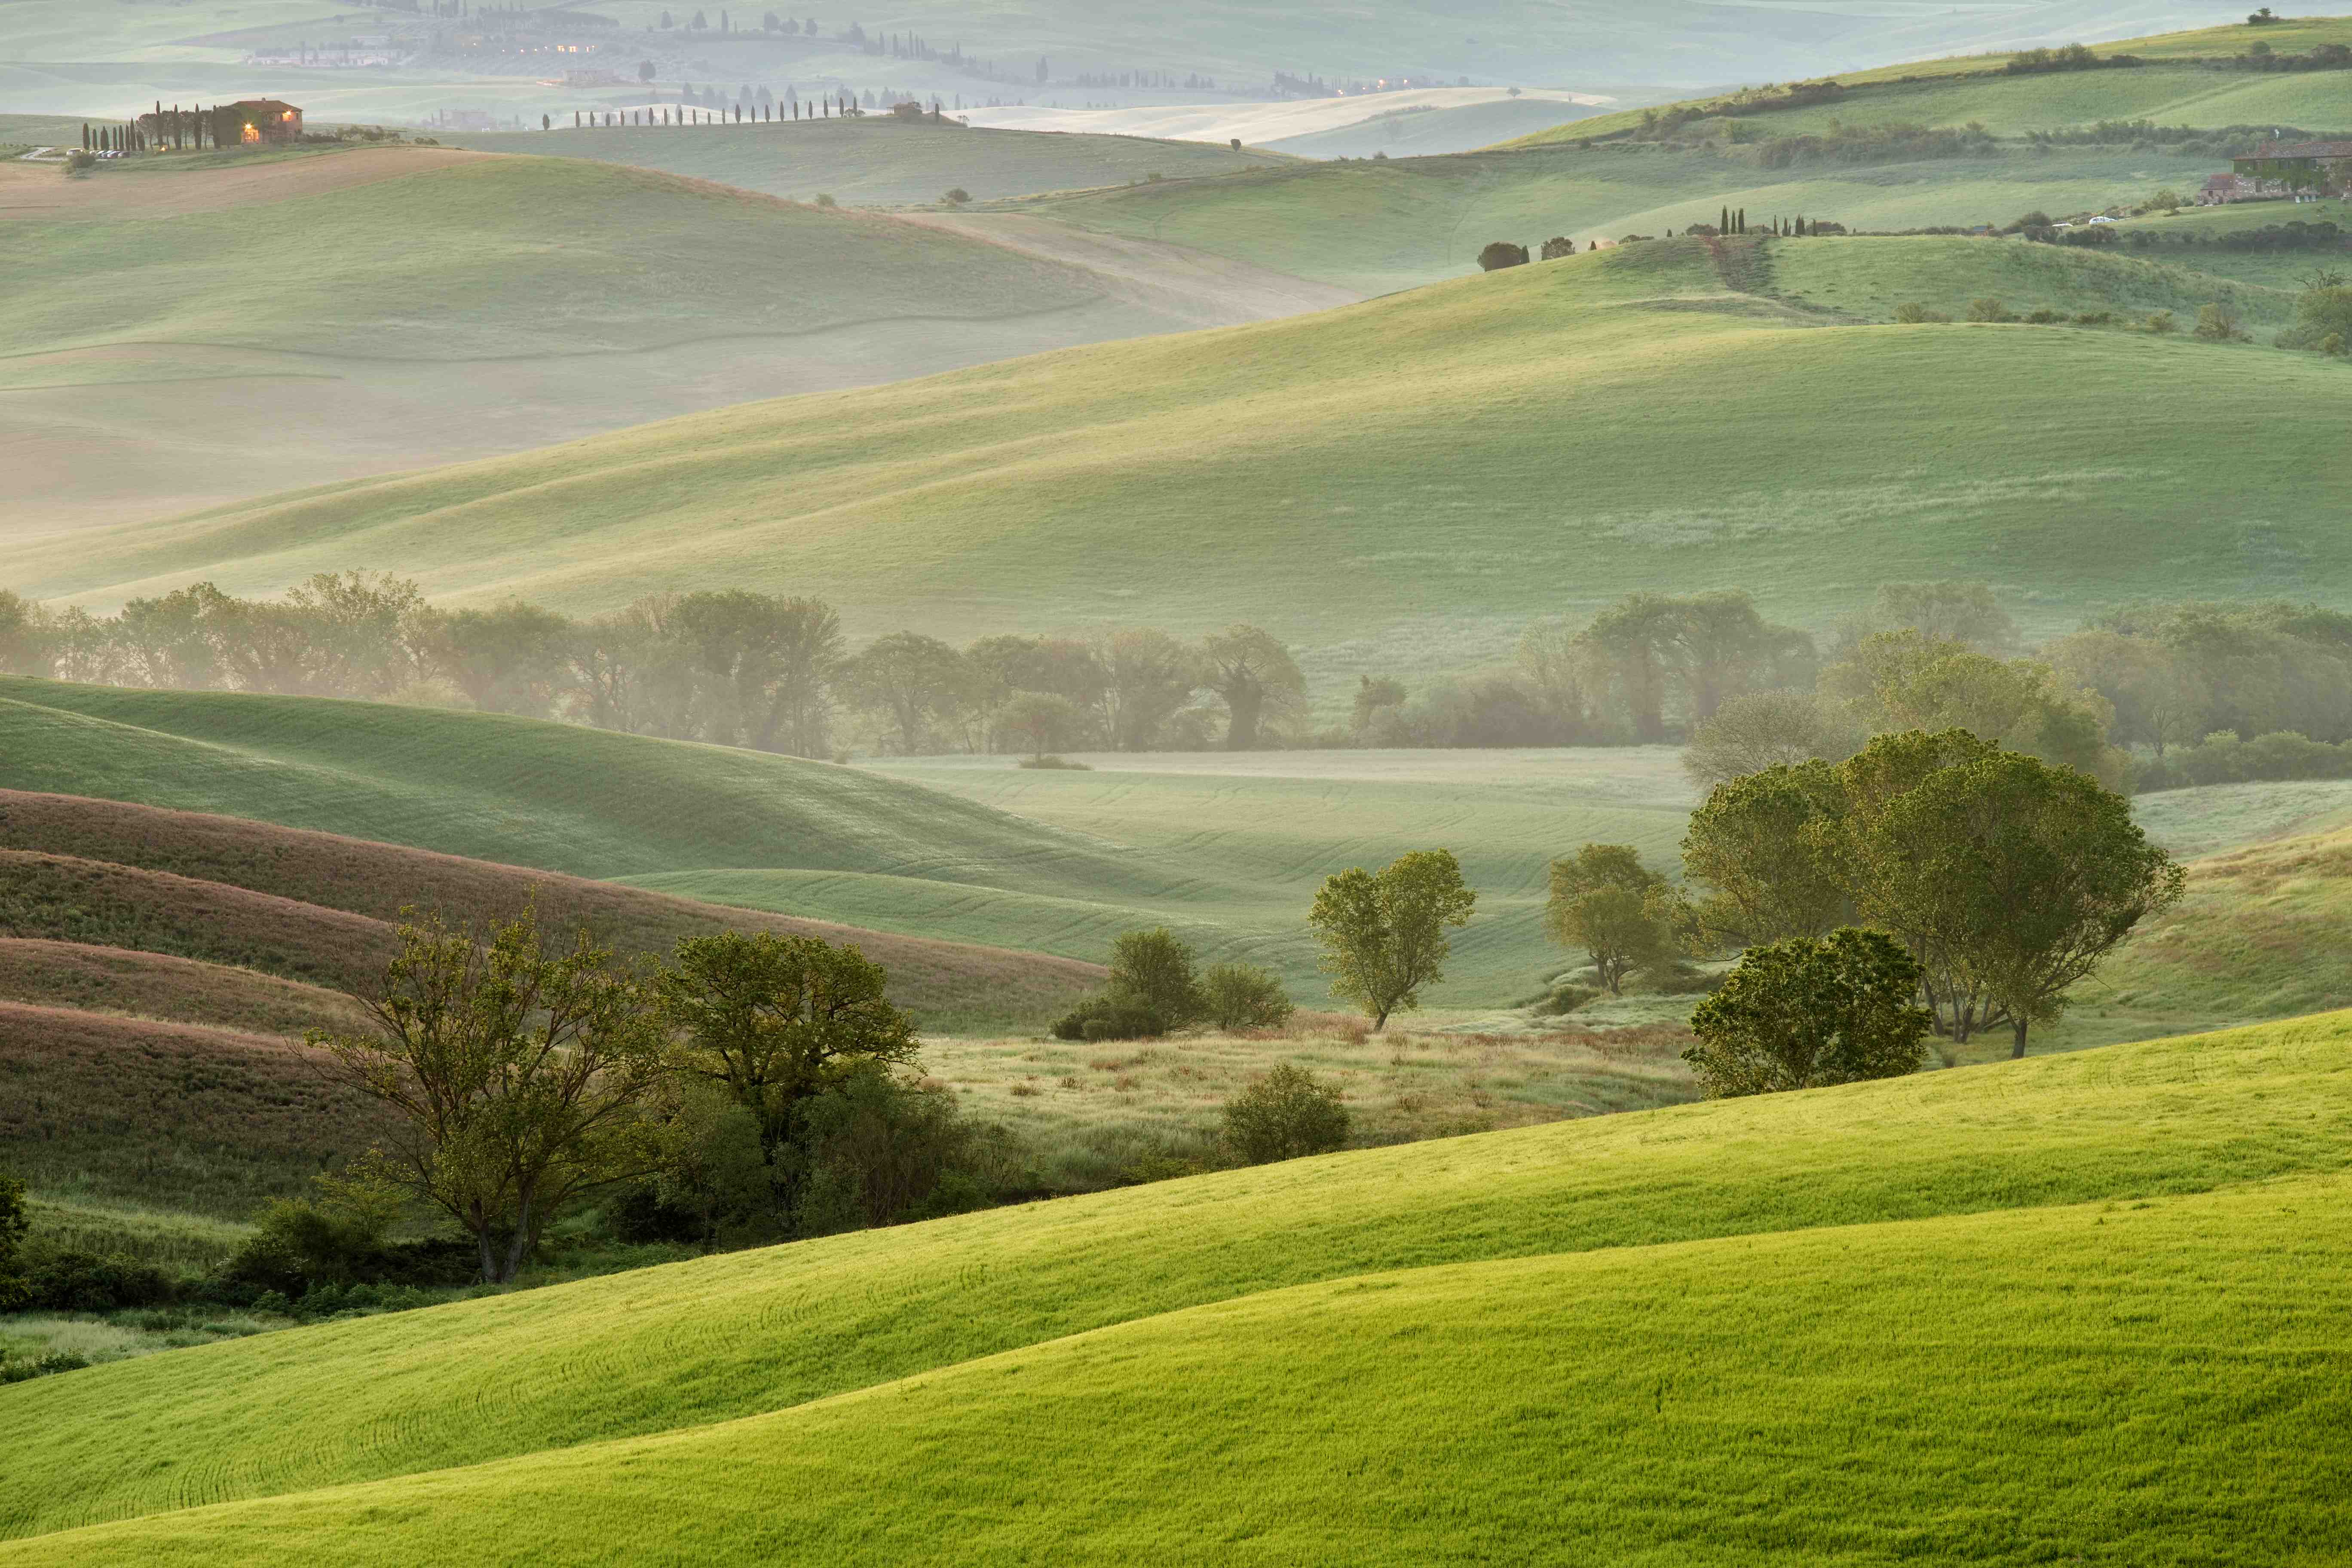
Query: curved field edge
[(748, 1332), (2161, 1384)]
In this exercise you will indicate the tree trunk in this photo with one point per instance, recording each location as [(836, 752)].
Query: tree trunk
[(2017, 1048)]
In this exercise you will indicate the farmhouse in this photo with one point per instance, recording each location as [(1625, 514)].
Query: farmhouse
[(2292, 166), (256, 122)]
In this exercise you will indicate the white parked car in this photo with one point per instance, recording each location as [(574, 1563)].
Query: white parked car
[(2102, 219)]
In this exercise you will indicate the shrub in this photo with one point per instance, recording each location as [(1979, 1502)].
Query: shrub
[(1110, 1017), (16, 1371), (1559, 246), (81, 161), (883, 1148), (1052, 763), (1911, 314), (1565, 997), (958, 197), (2332, 345), (1284, 1115), (2094, 318), (1243, 996), (1154, 970), (1502, 253), (62, 1280), (825, 201), (2043, 316), (2160, 322), (1990, 311), (1808, 1012), (2218, 324)]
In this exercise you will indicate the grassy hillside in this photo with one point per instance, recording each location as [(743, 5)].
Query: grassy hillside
[(1419, 133), (1384, 226), (2266, 930), (1399, 484), (189, 332), (95, 977), (801, 839), (878, 162), (1956, 89), (488, 259), (517, 793), (104, 1110), (338, 879), (2045, 1224)]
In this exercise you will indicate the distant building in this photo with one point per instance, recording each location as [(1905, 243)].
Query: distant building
[(256, 122), (2301, 167), (2222, 189)]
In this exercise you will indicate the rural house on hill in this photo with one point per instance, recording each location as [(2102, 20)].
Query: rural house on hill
[(2287, 166), (256, 120)]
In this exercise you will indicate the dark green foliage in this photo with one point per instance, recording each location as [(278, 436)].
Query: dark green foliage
[(1110, 1017), (1154, 969), (778, 1022), (1808, 1011), (1605, 901), (1990, 311), (1502, 253), (16, 1371), (1245, 996), (1284, 1115), (883, 1150), (13, 1224), (59, 1280)]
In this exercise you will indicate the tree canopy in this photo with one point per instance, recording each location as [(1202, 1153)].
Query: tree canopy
[(1811, 1011), (1383, 933)]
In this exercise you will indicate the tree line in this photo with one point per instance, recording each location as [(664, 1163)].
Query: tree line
[(2150, 696)]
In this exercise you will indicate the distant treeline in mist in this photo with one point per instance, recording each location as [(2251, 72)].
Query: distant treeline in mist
[(2153, 696)]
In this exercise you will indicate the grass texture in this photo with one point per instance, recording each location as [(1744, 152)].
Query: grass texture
[(931, 860), (2000, 1314), (488, 259), (1377, 226), (879, 160), (1409, 479)]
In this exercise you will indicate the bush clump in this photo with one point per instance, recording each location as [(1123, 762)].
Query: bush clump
[(1989, 309), (1243, 996), (1911, 314), (1284, 1115), (1108, 1017)]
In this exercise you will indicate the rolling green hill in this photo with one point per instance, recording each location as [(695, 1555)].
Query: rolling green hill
[(485, 260), (1232, 864), (2018, 1283), (1374, 226), (877, 160), (190, 329), (1400, 484)]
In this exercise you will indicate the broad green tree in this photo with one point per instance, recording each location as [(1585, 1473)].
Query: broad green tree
[(777, 1021), (1039, 722), (522, 1075), (1811, 1011), (2011, 879), (913, 681), (1255, 676), (1383, 933), (1763, 852), (1605, 901), (1155, 967)]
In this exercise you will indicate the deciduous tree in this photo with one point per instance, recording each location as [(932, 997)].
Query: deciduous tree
[(1253, 674), (1811, 1011), (521, 1073), (777, 1021), (1605, 901), (1383, 934)]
